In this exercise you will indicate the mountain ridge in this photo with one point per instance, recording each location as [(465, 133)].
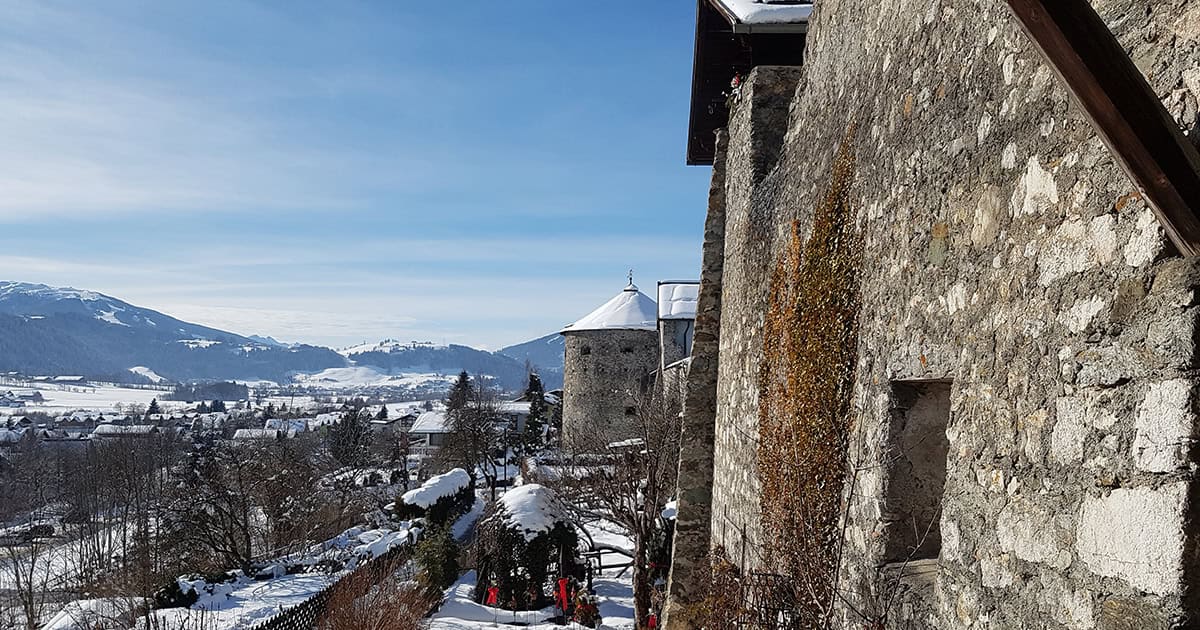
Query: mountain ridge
[(52, 330)]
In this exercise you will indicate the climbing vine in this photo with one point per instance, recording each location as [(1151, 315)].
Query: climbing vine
[(810, 345)]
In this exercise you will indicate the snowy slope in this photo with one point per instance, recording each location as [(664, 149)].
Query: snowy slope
[(49, 330), (545, 354)]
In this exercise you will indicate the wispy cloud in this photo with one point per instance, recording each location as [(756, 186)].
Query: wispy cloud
[(338, 175)]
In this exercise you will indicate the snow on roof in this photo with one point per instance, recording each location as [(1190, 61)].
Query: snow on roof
[(769, 12), (443, 485), (255, 434), (629, 310), (117, 429), (533, 509), (677, 300), (517, 407), (430, 422)]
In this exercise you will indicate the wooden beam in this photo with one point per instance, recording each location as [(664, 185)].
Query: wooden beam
[(1123, 108)]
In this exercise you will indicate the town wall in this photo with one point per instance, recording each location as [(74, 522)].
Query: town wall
[(1012, 282)]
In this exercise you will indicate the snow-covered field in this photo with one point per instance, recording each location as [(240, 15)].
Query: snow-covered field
[(63, 398), (367, 376)]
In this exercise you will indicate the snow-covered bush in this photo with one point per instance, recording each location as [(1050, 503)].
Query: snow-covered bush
[(439, 500), (526, 536)]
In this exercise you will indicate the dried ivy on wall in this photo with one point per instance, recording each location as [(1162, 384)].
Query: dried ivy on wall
[(810, 346)]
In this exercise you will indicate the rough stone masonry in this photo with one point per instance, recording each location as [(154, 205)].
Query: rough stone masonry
[(1019, 304)]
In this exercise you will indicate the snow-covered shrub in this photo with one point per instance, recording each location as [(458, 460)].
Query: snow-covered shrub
[(526, 536), (440, 500)]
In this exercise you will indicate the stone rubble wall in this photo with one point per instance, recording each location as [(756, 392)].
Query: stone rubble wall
[(1005, 252), (600, 385), (687, 583)]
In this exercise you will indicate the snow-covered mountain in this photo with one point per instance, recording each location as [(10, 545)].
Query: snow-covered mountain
[(49, 330), (413, 358), (545, 354)]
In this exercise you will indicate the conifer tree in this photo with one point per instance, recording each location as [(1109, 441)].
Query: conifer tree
[(460, 393), (153, 408), (535, 393), (348, 439)]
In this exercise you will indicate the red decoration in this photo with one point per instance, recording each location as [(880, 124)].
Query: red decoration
[(493, 593), (562, 593), (652, 622)]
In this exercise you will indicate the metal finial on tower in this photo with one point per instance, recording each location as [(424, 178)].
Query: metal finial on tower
[(631, 286), (631, 276)]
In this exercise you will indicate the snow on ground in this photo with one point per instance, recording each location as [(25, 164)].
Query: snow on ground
[(466, 523), (62, 398), (59, 561), (246, 604), (85, 614), (367, 376), (614, 594), (142, 370)]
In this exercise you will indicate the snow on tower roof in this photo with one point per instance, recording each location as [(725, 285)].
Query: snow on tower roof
[(769, 12), (677, 300), (629, 310)]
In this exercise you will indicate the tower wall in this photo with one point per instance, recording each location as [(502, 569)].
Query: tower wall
[(605, 371)]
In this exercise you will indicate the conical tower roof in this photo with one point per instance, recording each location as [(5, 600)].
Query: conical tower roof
[(628, 310)]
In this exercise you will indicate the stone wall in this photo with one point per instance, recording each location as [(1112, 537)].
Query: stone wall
[(605, 372), (1007, 255), (675, 339), (687, 584), (756, 133)]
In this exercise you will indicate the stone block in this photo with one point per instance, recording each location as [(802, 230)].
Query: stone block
[(1164, 427), (1135, 534)]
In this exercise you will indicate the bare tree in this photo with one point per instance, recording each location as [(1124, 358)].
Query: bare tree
[(629, 481), (26, 562), (479, 439)]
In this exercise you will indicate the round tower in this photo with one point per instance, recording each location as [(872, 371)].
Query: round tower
[(610, 361)]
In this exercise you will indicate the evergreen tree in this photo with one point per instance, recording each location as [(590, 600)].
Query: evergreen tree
[(217, 405), (202, 407), (437, 556), (383, 413), (460, 393), (532, 439), (348, 439), (153, 408), (270, 411)]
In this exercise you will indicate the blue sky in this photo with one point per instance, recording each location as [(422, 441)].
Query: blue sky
[(474, 171)]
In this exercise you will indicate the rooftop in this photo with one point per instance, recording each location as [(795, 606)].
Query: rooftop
[(628, 310), (677, 300)]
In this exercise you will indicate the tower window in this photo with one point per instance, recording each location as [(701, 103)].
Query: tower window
[(631, 411), (627, 349), (916, 470), (586, 350)]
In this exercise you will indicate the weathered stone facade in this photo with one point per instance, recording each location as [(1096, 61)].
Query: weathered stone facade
[(1007, 259), (605, 372), (675, 339)]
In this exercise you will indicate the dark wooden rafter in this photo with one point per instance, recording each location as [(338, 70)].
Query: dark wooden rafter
[(1123, 108)]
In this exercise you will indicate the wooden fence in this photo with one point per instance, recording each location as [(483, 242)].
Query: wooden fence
[(397, 562)]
